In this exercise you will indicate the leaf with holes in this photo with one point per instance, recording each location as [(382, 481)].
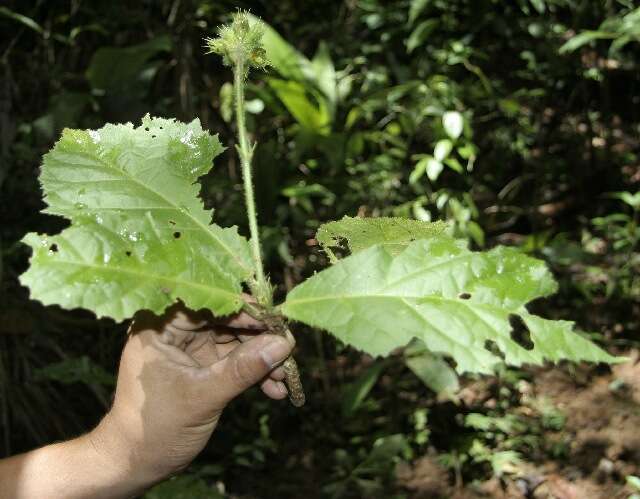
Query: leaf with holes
[(361, 233), (467, 305), (140, 237)]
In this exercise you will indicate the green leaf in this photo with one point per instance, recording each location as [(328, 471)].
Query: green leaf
[(420, 34), (416, 8), (431, 369), (433, 168), (384, 450), (539, 5), (315, 117), (80, 369), (355, 393), (418, 170), (186, 486), (140, 237), (22, 19), (453, 122), (115, 69), (282, 56), (583, 38), (634, 481), (361, 233), (325, 74), (442, 149), (460, 303)]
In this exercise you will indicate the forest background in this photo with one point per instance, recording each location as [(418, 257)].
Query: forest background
[(516, 121)]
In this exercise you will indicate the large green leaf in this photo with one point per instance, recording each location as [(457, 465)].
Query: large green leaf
[(140, 237), (282, 56), (361, 233), (125, 69), (463, 304), (313, 116)]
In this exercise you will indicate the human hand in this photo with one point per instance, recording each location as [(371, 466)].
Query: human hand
[(177, 373)]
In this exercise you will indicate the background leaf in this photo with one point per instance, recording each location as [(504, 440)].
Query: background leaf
[(431, 369), (453, 123), (356, 392), (115, 69)]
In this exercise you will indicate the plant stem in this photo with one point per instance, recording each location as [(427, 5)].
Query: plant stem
[(245, 151), (261, 288)]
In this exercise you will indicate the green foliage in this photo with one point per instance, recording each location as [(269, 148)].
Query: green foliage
[(355, 393), (139, 235), (456, 301), (365, 473), (432, 370), (19, 18), (80, 369), (183, 487), (622, 29), (361, 133), (128, 69), (361, 233)]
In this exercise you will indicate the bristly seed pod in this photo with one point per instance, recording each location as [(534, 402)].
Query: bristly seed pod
[(240, 43)]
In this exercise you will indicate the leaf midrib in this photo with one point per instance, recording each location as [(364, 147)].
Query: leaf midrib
[(102, 268), (172, 205), (467, 303)]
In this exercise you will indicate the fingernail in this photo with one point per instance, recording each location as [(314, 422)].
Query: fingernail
[(275, 351), (290, 337), (282, 388)]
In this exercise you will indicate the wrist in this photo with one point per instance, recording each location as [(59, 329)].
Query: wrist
[(118, 449)]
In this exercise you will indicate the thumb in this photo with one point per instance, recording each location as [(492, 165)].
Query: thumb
[(247, 364)]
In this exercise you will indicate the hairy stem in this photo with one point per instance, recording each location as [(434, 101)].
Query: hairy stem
[(245, 152), (261, 288), (276, 324)]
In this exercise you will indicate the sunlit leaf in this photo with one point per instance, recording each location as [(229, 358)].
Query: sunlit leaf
[(325, 73), (140, 237), (583, 38), (282, 56), (442, 149), (312, 115), (453, 122), (357, 234), (470, 306), (433, 168)]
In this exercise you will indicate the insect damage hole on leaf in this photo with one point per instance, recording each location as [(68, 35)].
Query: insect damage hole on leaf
[(493, 348), (520, 332)]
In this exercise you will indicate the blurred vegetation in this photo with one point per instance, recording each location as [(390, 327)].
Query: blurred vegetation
[(518, 122)]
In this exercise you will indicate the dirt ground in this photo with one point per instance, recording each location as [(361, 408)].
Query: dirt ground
[(602, 430)]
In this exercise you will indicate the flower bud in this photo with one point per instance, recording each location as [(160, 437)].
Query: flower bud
[(240, 43)]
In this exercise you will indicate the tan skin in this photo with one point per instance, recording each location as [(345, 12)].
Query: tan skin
[(177, 374)]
